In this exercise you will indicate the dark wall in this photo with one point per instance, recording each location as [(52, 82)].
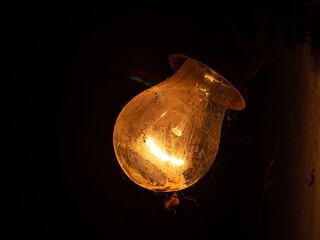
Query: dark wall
[(292, 204), (70, 69)]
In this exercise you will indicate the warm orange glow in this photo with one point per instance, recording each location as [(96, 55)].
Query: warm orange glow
[(159, 153), (177, 131), (168, 143)]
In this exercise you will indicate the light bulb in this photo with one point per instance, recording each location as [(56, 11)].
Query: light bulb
[(167, 137)]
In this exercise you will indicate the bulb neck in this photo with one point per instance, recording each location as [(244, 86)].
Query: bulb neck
[(208, 84)]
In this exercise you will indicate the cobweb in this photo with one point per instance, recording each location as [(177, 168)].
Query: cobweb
[(191, 195)]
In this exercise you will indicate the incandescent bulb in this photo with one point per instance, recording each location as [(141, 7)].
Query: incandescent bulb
[(167, 137)]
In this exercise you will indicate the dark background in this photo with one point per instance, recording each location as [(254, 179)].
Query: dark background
[(70, 69)]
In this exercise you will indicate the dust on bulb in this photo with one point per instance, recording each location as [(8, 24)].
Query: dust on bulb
[(167, 137)]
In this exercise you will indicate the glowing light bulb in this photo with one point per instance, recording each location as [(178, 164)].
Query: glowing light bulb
[(167, 137)]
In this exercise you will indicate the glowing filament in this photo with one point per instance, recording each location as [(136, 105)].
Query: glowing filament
[(156, 151)]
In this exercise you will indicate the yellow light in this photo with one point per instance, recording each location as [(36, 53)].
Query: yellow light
[(168, 143), (177, 131), (162, 154)]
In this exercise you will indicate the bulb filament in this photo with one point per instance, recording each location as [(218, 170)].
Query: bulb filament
[(156, 151)]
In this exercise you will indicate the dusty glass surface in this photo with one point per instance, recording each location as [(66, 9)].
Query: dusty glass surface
[(167, 137)]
